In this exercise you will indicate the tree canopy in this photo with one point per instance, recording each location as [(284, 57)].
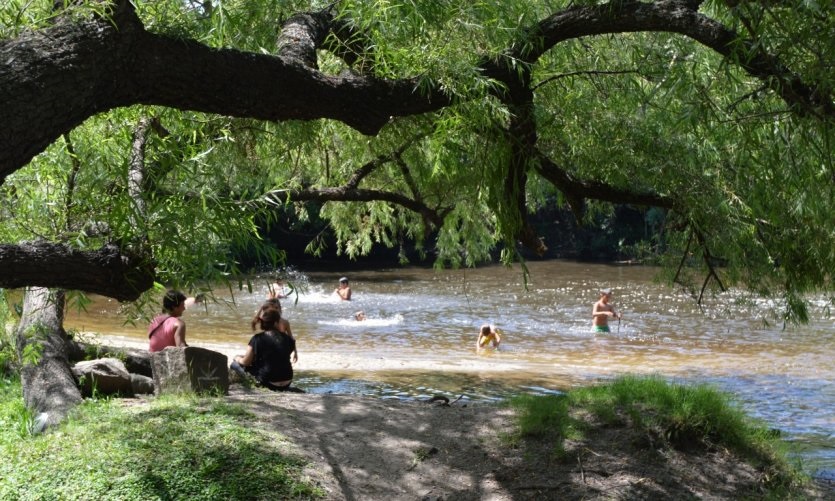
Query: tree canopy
[(142, 140)]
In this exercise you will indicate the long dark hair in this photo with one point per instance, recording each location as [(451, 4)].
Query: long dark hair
[(269, 317), (269, 303)]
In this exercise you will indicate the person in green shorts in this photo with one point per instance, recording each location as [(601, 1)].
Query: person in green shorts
[(602, 311)]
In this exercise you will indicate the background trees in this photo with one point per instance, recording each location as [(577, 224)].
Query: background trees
[(445, 123)]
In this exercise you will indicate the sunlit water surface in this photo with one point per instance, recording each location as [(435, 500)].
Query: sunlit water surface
[(430, 319)]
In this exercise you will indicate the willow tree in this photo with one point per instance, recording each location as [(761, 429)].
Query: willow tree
[(443, 122)]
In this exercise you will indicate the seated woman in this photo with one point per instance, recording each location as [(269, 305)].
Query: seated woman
[(267, 357), (168, 329), (283, 324)]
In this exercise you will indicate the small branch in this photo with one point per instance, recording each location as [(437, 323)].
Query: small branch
[(302, 34), (708, 259), (582, 73), (344, 194), (577, 190), (76, 167), (683, 258)]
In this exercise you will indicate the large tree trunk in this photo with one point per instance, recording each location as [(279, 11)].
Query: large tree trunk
[(49, 388)]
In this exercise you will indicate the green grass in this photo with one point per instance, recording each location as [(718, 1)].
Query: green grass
[(680, 416), (176, 448)]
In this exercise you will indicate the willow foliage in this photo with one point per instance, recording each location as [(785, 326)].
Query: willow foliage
[(749, 175)]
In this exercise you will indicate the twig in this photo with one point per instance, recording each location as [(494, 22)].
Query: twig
[(683, 257), (582, 471)]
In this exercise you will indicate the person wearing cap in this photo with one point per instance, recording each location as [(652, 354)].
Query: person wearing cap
[(602, 311), (344, 290)]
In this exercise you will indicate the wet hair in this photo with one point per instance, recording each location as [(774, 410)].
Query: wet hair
[(486, 330), (272, 303), (172, 299), (269, 318)]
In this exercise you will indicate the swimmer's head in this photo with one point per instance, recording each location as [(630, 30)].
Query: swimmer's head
[(360, 315)]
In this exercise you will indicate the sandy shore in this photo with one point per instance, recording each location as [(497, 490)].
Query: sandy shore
[(350, 360), (360, 447)]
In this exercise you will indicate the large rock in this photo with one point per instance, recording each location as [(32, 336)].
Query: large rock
[(137, 361), (105, 376), (141, 384), (199, 370)]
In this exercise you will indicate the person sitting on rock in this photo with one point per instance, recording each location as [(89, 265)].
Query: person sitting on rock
[(267, 356), (168, 329)]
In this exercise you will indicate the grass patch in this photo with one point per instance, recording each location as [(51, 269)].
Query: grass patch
[(176, 448), (683, 417)]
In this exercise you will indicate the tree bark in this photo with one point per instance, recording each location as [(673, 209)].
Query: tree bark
[(49, 388), (106, 271)]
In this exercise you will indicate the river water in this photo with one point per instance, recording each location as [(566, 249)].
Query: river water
[(419, 339)]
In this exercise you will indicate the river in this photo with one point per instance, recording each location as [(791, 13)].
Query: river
[(419, 339)]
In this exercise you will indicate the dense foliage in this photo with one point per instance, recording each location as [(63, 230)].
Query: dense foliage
[(725, 124)]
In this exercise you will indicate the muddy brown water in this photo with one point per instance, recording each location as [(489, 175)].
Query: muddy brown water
[(422, 324)]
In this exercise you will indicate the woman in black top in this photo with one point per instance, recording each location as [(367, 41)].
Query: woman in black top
[(267, 357)]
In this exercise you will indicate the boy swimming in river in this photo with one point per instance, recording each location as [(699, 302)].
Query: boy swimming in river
[(488, 334)]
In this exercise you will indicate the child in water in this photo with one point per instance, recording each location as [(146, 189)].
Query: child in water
[(486, 335)]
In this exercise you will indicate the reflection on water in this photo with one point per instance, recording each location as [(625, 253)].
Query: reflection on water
[(422, 318)]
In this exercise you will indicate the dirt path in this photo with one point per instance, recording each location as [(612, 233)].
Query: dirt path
[(364, 448), (368, 448)]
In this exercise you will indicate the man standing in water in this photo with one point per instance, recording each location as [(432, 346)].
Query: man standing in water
[(602, 311), (344, 290)]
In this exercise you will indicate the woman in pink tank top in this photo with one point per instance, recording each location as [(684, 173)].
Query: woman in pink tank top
[(168, 329)]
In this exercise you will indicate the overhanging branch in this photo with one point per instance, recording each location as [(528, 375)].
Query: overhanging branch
[(106, 271), (576, 191)]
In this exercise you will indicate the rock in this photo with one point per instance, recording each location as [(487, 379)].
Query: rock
[(141, 384), (199, 370), (137, 361), (107, 376)]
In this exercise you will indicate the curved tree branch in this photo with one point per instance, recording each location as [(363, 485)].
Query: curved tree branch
[(53, 79), (578, 190), (676, 16), (345, 194)]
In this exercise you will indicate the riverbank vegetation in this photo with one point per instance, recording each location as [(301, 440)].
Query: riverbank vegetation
[(662, 415), (178, 448), (191, 447)]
